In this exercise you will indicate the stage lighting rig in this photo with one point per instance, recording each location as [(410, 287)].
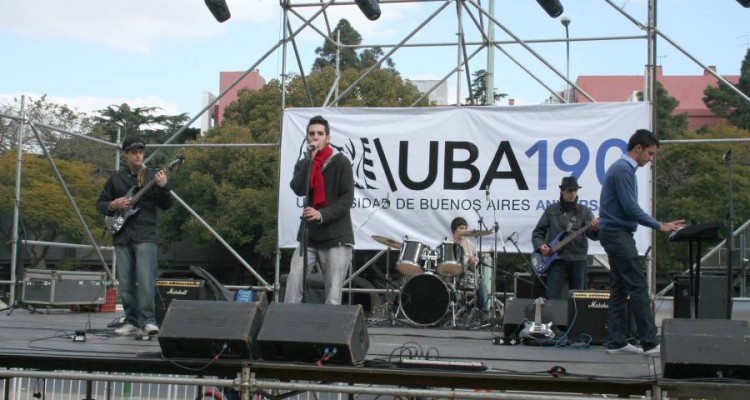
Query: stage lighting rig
[(552, 7), (219, 9), (744, 3), (370, 8)]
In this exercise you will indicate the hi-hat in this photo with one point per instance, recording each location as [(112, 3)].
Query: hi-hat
[(475, 232), (387, 241)]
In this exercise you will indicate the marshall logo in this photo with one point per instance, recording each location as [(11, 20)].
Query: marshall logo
[(177, 292), (598, 304)]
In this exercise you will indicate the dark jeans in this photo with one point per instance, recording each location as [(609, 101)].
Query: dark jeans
[(627, 278), (575, 272)]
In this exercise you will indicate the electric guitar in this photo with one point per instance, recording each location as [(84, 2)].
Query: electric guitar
[(540, 263), (537, 329), (116, 222)]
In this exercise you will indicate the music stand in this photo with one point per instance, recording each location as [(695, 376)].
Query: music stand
[(695, 235)]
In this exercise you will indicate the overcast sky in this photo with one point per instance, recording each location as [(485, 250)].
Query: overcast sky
[(93, 53)]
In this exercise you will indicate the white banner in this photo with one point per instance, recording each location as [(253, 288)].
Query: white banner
[(500, 164)]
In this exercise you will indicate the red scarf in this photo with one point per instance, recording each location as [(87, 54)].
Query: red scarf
[(317, 185)]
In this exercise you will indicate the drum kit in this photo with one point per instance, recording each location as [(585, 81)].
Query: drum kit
[(436, 281)]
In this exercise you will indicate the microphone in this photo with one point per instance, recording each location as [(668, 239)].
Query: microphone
[(487, 192), (387, 202), (310, 148)]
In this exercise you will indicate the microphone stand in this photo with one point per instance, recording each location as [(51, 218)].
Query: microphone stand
[(305, 224)]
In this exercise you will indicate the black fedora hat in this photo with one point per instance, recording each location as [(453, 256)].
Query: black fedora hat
[(569, 182)]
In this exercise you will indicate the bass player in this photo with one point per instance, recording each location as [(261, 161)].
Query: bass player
[(566, 217)]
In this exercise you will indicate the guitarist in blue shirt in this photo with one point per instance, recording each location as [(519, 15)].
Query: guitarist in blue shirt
[(136, 239), (560, 240)]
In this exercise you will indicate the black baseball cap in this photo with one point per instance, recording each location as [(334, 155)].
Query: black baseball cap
[(132, 143)]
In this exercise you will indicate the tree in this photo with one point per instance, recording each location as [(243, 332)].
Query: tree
[(40, 112), (668, 125), (479, 90), (348, 56), (724, 102), (692, 183), (46, 213)]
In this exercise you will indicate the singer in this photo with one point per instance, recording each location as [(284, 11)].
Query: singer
[(329, 199), (566, 217)]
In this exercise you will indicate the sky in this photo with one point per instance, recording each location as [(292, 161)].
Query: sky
[(90, 54)]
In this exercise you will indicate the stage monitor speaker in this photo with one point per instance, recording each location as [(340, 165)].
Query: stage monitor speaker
[(705, 348), (712, 302), (518, 311), (208, 329), (311, 332)]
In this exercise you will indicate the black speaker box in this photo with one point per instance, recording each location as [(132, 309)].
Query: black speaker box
[(518, 311), (528, 286), (206, 329), (311, 332), (712, 301), (705, 348)]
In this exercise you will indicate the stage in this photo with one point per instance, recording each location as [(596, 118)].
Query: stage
[(44, 342)]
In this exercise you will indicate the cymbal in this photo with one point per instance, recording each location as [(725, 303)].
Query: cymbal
[(475, 232), (387, 241)]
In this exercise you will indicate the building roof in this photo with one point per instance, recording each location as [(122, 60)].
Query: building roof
[(687, 89)]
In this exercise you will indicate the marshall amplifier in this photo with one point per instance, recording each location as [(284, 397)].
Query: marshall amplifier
[(182, 289)]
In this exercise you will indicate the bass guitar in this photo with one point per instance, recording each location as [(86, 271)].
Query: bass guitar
[(537, 330), (116, 222), (540, 263)]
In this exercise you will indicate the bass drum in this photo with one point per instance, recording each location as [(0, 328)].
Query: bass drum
[(425, 299)]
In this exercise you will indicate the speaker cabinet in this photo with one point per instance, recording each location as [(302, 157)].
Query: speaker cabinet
[(705, 348), (518, 311), (712, 301), (528, 286), (177, 289), (207, 329), (311, 332), (587, 315)]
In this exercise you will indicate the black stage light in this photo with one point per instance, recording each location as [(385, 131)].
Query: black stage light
[(219, 9), (744, 3), (552, 7), (370, 8)]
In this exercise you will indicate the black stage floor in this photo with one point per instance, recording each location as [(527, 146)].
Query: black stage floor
[(44, 341)]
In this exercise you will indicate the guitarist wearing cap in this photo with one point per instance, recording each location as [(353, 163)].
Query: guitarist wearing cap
[(136, 235), (560, 240)]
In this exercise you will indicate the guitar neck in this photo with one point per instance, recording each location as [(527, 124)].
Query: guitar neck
[(538, 313), (143, 190), (572, 236)]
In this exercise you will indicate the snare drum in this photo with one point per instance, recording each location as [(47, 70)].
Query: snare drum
[(450, 259), (409, 259)]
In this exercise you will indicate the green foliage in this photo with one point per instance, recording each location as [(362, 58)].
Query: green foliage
[(692, 184), (668, 125), (46, 212), (234, 190), (40, 112), (724, 102), (479, 90)]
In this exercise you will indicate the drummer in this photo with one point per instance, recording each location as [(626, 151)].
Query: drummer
[(460, 227)]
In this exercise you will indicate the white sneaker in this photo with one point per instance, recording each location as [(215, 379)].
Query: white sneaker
[(151, 329), (126, 330), (656, 351), (627, 349)]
